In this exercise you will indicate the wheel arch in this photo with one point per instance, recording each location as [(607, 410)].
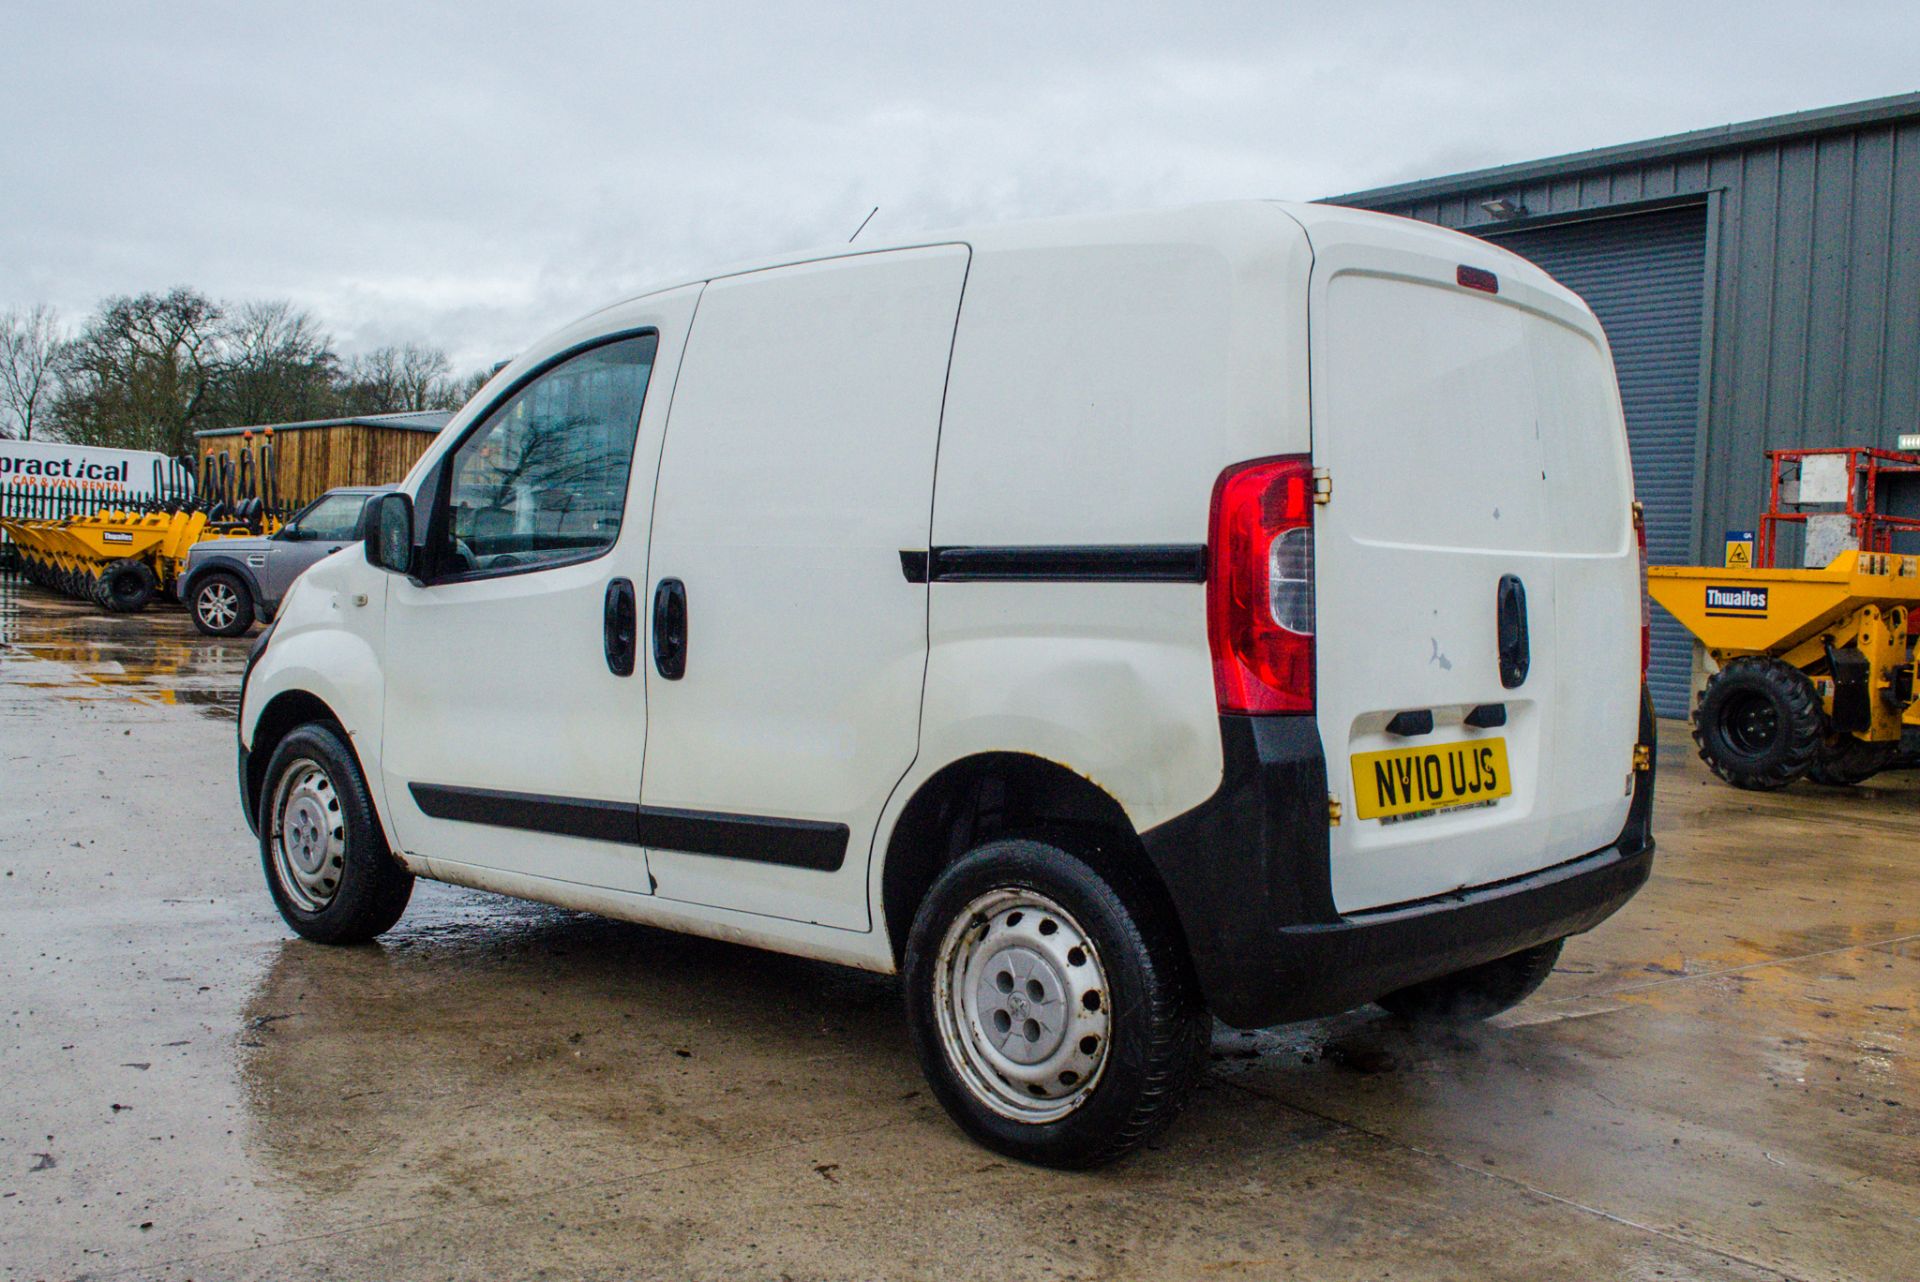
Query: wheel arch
[(1002, 794), (284, 713)]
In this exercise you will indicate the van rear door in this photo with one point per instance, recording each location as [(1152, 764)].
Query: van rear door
[(1475, 564)]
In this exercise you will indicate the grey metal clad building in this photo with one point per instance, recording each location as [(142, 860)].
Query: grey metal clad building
[(1759, 284)]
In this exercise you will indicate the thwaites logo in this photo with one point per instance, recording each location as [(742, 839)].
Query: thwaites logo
[(1737, 603), (115, 536)]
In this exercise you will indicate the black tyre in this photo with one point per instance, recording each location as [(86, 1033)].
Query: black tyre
[(1477, 993), (326, 860), (127, 587), (221, 605), (1844, 761), (1052, 1009), (1759, 724)]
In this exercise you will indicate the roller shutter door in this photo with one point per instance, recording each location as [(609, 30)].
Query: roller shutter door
[(1644, 277)]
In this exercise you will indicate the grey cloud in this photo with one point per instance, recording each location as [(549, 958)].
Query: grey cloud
[(472, 174)]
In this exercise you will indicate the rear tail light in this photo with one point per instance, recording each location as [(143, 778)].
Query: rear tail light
[(1646, 604), (1477, 278), (1260, 586)]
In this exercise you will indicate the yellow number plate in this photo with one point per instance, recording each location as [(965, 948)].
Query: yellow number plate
[(1404, 782)]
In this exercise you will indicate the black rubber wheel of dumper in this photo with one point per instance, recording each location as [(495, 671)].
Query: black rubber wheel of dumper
[(1844, 761), (1759, 724), (127, 587)]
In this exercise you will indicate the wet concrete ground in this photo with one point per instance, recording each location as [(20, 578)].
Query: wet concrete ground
[(1718, 1083)]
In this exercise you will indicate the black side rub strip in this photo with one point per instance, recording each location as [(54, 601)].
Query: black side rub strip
[(1066, 563), (566, 817), (796, 843)]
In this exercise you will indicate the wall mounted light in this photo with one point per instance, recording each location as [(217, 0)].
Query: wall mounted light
[(1504, 209)]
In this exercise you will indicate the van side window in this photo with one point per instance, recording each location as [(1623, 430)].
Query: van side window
[(544, 479)]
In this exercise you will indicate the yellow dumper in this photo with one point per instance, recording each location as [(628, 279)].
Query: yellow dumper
[(1816, 667), (122, 555), (119, 558)]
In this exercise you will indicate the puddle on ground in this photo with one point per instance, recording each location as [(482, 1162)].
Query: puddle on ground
[(154, 656)]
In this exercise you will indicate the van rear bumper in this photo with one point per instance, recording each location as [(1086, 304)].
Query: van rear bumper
[(1248, 874)]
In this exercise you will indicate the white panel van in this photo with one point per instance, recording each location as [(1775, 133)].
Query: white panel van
[(1105, 623)]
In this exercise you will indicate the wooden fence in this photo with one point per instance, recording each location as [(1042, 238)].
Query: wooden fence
[(309, 461)]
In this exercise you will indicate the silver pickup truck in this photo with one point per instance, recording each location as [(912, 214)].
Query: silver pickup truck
[(230, 582)]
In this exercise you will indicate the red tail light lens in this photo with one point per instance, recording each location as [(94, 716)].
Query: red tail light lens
[(1646, 603), (1260, 586), (1477, 278)]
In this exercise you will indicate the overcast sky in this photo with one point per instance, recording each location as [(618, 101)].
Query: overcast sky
[(475, 174)]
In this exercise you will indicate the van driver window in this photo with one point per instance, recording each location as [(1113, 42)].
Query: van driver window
[(545, 478)]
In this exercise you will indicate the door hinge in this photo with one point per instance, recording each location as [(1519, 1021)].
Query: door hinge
[(1642, 757), (1333, 811), (1322, 486)]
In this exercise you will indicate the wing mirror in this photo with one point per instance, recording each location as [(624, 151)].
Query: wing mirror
[(390, 533)]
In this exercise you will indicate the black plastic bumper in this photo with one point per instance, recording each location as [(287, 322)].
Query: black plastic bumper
[(1248, 873)]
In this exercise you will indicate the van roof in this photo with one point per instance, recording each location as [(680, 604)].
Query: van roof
[(1239, 221), (1249, 218)]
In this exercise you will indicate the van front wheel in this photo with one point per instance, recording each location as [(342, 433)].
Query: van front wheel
[(1053, 1017), (327, 863)]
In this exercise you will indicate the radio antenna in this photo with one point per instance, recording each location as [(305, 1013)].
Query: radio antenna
[(863, 224)]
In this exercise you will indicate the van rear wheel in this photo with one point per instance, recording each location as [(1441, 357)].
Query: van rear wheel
[(1477, 993), (1759, 724), (1052, 1013)]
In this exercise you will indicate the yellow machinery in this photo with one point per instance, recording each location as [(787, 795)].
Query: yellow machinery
[(1816, 667), (117, 557), (122, 557)]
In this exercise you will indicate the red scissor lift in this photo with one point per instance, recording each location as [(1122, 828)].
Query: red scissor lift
[(1868, 470)]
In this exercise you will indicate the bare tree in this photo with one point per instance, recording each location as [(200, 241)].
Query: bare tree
[(391, 380), (422, 370), (143, 372), (30, 343), (371, 383), (452, 393), (278, 366), (149, 370)]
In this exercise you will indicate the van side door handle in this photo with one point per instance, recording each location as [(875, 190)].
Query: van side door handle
[(1515, 653), (670, 629), (621, 625)]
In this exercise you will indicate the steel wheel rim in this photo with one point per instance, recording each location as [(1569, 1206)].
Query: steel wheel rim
[(218, 605), (309, 838), (1752, 724), (1022, 1004)]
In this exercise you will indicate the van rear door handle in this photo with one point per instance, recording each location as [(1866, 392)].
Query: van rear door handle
[(1515, 653), (620, 624), (670, 629)]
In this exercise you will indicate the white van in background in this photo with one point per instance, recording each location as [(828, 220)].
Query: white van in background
[(1104, 622), (83, 469)]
